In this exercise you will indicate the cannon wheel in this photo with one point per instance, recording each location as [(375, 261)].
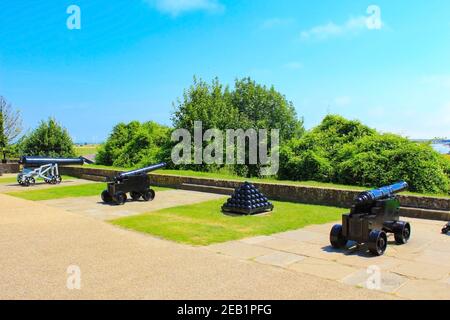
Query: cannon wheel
[(20, 178), (402, 232), (120, 198), (58, 179), (377, 242), (135, 195), (148, 195), (446, 229), (337, 239), (29, 182), (106, 197)]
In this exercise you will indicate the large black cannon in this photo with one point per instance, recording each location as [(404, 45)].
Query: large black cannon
[(45, 168), (135, 182), (373, 214)]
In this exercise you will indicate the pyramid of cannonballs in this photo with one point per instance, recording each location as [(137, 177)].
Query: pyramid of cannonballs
[(247, 199)]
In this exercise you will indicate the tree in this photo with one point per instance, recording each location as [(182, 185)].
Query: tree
[(48, 139), (248, 105), (10, 125), (260, 107)]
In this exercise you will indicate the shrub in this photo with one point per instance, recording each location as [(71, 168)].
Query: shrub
[(135, 145), (48, 139), (313, 156), (347, 152)]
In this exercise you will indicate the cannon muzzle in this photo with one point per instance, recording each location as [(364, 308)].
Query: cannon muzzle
[(368, 197), (141, 171)]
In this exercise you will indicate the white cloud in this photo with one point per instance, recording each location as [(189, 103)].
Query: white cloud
[(331, 29), (177, 7), (277, 22), (294, 65)]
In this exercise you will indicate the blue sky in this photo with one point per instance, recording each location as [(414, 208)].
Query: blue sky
[(131, 59)]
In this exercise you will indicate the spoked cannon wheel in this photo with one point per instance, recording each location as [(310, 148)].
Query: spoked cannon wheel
[(28, 181), (20, 179)]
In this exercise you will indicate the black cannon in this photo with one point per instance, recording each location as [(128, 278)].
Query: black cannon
[(136, 182), (45, 168), (373, 214), (446, 228)]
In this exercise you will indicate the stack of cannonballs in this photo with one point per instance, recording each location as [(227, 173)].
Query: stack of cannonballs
[(247, 200)]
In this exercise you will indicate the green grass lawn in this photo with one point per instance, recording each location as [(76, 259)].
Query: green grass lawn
[(5, 180), (204, 223), (86, 150), (84, 190)]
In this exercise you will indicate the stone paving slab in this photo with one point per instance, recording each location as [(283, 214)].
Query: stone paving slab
[(386, 281), (95, 208), (425, 260), (280, 259), (424, 290), (241, 250), (422, 271), (323, 268)]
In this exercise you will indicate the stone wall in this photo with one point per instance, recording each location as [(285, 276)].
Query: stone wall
[(9, 168), (284, 192)]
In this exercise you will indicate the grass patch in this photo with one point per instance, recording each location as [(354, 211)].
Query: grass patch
[(86, 150), (84, 190), (204, 223), (5, 180)]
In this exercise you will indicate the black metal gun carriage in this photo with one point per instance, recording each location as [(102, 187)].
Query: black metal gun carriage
[(136, 182), (373, 214)]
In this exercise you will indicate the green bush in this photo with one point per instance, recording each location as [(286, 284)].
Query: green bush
[(135, 145), (49, 139), (347, 152), (313, 156)]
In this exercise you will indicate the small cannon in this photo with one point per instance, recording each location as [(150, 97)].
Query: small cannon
[(135, 182), (446, 228), (373, 214), (45, 168)]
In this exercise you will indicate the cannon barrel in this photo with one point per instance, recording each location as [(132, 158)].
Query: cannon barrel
[(141, 171), (40, 161), (368, 197)]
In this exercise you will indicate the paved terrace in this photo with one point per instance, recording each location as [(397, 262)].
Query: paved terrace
[(39, 240), (38, 243)]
